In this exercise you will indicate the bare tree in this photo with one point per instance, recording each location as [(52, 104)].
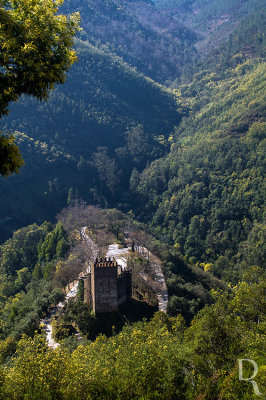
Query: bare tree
[(78, 215)]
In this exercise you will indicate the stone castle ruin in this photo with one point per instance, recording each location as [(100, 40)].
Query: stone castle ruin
[(107, 285)]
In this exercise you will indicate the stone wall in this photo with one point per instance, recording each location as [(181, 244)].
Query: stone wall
[(124, 287), (87, 289)]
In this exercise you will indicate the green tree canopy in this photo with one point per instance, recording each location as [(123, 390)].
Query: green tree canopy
[(35, 53)]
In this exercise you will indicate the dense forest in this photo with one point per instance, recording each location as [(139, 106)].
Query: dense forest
[(214, 20), (208, 192), (150, 40), (158, 130)]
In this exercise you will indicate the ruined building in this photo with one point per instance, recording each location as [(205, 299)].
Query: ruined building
[(107, 285)]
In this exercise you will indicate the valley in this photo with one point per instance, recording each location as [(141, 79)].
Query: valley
[(132, 236)]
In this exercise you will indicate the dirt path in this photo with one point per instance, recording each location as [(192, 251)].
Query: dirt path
[(119, 254), (46, 322), (93, 247), (157, 276), (159, 286)]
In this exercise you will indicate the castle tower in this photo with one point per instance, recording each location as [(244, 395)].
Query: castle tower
[(104, 285)]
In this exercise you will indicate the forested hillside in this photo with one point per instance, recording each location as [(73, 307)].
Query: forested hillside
[(246, 42), (105, 120), (214, 20), (145, 37), (156, 141), (209, 193), (97, 133)]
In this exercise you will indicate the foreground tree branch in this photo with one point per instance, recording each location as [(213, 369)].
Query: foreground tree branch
[(35, 54)]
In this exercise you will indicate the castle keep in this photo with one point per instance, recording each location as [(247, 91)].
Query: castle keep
[(107, 285)]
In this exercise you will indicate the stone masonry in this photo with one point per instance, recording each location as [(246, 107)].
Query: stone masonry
[(107, 286)]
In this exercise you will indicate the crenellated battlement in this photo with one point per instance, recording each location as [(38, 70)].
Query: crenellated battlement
[(124, 272), (105, 263)]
